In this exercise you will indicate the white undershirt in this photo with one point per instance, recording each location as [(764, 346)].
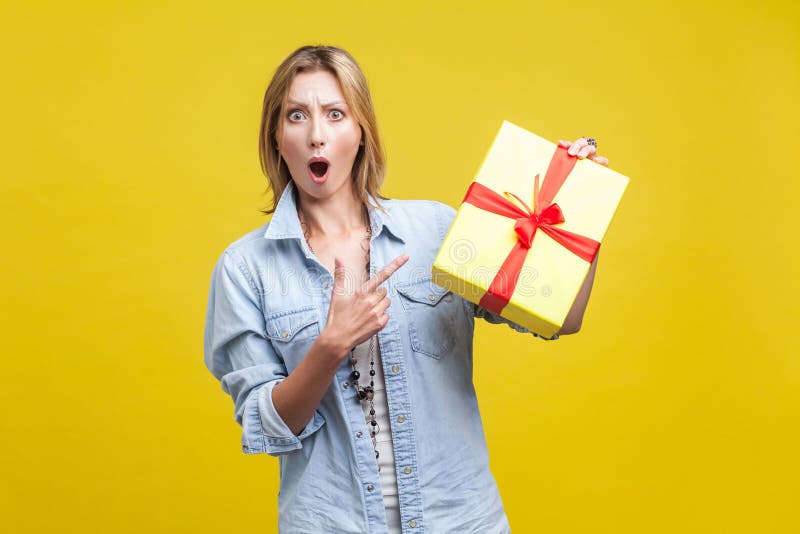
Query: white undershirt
[(387, 476)]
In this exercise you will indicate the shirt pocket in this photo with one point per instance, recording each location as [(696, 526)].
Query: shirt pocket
[(293, 332), (430, 317)]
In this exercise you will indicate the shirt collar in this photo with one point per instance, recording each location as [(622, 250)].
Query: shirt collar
[(285, 224)]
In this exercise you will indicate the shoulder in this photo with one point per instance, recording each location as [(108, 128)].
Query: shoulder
[(245, 243), (247, 251), (420, 216), (415, 207)]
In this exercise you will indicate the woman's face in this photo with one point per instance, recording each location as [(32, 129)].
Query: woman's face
[(319, 136)]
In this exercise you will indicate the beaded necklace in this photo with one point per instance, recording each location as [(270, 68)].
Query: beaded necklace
[(363, 393)]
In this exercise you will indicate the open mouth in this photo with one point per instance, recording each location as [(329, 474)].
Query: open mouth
[(319, 168)]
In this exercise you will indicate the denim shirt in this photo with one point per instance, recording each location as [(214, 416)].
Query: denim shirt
[(268, 302)]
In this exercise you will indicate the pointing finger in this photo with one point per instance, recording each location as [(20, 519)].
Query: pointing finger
[(379, 295), (385, 273)]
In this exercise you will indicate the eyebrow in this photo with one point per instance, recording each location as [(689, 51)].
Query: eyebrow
[(329, 104)]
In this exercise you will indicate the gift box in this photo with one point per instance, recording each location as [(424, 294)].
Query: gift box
[(528, 230)]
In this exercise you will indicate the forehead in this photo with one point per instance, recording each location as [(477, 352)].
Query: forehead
[(318, 85)]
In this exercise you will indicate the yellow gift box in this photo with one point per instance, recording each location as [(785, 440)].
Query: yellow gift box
[(528, 229)]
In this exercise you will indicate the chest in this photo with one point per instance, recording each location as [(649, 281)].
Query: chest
[(353, 251), (424, 319)]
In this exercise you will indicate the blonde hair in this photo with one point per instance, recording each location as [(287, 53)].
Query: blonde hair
[(369, 166)]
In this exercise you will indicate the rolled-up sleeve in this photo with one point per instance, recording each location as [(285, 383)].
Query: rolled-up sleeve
[(239, 354), (491, 317)]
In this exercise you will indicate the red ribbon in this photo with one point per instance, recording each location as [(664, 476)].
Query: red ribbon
[(527, 222)]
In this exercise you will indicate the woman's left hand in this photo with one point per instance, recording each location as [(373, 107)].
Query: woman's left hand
[(583, 149)]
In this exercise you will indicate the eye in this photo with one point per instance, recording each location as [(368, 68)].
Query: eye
[(296, 115), (336, 114)]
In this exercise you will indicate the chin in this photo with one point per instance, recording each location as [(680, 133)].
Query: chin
[(320, 191)]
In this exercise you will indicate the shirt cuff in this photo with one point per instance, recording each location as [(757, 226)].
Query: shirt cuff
[(552, 338), (277, 436), (523, 330)]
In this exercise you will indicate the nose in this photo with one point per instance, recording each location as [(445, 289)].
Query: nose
[(316, 136)]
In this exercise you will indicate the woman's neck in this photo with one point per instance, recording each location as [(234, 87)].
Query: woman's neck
[(337, 216)]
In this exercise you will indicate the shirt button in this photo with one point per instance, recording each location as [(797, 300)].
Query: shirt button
[(431, 298), (412, 523), (284, 334), (407, 470), (359, 434), (395, 368), (400, 418), (346, 385), (327, 285), (370, 487)]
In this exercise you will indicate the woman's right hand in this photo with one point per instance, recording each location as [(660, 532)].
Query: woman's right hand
[(357, 313)]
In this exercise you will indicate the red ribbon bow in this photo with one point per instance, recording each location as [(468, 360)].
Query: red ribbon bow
[(546, 215)]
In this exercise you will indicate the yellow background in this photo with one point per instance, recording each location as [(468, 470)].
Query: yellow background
[(129, 162)]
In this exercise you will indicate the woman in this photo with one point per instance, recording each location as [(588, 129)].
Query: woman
[(358, 378)]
